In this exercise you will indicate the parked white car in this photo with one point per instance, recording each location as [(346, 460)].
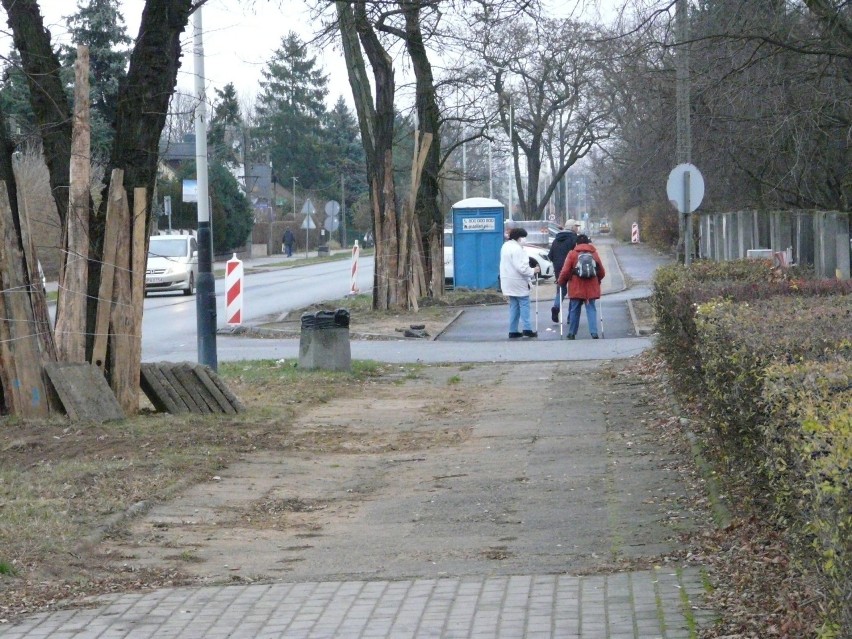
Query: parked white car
[(539, 256), (172, 264)]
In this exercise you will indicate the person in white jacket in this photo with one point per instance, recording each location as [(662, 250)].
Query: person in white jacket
[(515, 274)]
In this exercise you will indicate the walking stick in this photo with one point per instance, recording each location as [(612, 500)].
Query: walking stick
[(561, 307), (536, 302)]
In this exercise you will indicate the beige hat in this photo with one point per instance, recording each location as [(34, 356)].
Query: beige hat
[(571, 222)]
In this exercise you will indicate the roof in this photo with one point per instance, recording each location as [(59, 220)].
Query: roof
[(478, 203)]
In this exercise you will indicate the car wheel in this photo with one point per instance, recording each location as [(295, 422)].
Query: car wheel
[(190, 290)]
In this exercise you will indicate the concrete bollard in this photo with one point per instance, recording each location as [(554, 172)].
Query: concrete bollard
[(324, 341)]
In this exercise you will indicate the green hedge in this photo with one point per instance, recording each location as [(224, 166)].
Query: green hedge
[(806, 442), (737, 341), (769, 357), (678, 291)]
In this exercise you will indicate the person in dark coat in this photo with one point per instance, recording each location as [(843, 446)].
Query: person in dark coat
[(562, 244), (582, 291), (288, 241)]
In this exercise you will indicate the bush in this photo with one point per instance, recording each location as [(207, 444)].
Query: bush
[(807, 452), (679, 290), (736, 342)]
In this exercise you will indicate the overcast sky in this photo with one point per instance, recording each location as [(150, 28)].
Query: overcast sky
[(239, 38)]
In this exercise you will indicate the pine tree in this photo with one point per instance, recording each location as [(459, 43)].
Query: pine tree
[(225, 137), (15, 100), (99, 25), (290, 113), (345, 151)]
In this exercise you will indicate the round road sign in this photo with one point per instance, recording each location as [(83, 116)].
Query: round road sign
[(677, 192)]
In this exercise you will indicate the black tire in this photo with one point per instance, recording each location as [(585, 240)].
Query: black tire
[(190, 290)]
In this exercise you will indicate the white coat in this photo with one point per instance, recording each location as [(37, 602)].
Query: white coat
[(515, 270)]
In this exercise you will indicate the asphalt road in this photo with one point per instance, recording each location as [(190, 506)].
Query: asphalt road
[(480, 334)]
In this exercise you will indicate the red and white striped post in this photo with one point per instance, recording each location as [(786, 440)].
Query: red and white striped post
[(634, 233), (234, 291), (353, 282)]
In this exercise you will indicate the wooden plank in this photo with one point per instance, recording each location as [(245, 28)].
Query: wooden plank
[(38, 298), (223, 388), (205, 403), (202, 373), (9, 396), (178, 388), (84, 393), (99, 349), (73, 294), (123, 370), (24, 390), (168, 382), (151, 380), (138, 264)]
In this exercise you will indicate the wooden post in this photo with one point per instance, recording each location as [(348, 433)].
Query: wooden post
[(20, 358), (73, 292), (122, 331), (138, 264), (105, 292)]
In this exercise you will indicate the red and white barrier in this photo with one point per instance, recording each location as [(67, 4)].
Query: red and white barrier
[(634, 233), (353, 283), (234, 291)]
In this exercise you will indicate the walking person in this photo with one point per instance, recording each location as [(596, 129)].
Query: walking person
[(288, 241), (562, 244), (515, 274), (583, 272)]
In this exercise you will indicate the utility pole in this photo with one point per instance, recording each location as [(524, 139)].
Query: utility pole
[(490, 169), (342, 212), (684, 131), (464, 166), (511, 159), (205, 295)]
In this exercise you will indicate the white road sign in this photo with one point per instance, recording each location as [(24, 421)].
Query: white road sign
[(675, 187)]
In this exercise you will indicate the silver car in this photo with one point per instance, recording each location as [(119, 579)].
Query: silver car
[(172, 264)]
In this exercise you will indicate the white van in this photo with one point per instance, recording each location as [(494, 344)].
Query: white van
[(172, 264)]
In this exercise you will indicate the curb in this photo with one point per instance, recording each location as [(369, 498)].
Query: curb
[(447, 325)]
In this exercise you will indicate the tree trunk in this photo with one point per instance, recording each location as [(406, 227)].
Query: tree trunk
[(428, 116), (143, 101), (376, 121)]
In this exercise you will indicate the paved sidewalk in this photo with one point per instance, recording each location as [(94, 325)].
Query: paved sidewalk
[(637, 605), (663, 602)]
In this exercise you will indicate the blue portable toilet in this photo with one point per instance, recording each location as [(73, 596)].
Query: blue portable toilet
[(477, 240)]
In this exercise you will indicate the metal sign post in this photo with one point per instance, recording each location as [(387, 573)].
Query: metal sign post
[(685, 188)]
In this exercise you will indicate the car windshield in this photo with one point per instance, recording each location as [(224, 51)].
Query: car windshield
[(167, 248)]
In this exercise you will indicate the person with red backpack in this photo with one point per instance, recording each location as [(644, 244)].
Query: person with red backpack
[(583, 272)]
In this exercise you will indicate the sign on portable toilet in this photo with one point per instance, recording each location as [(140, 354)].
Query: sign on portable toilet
[(477, 240), (634, 233), (234, 291)]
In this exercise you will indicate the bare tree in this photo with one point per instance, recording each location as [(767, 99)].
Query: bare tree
[(771, 112), (551, 80), (144, 96)]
